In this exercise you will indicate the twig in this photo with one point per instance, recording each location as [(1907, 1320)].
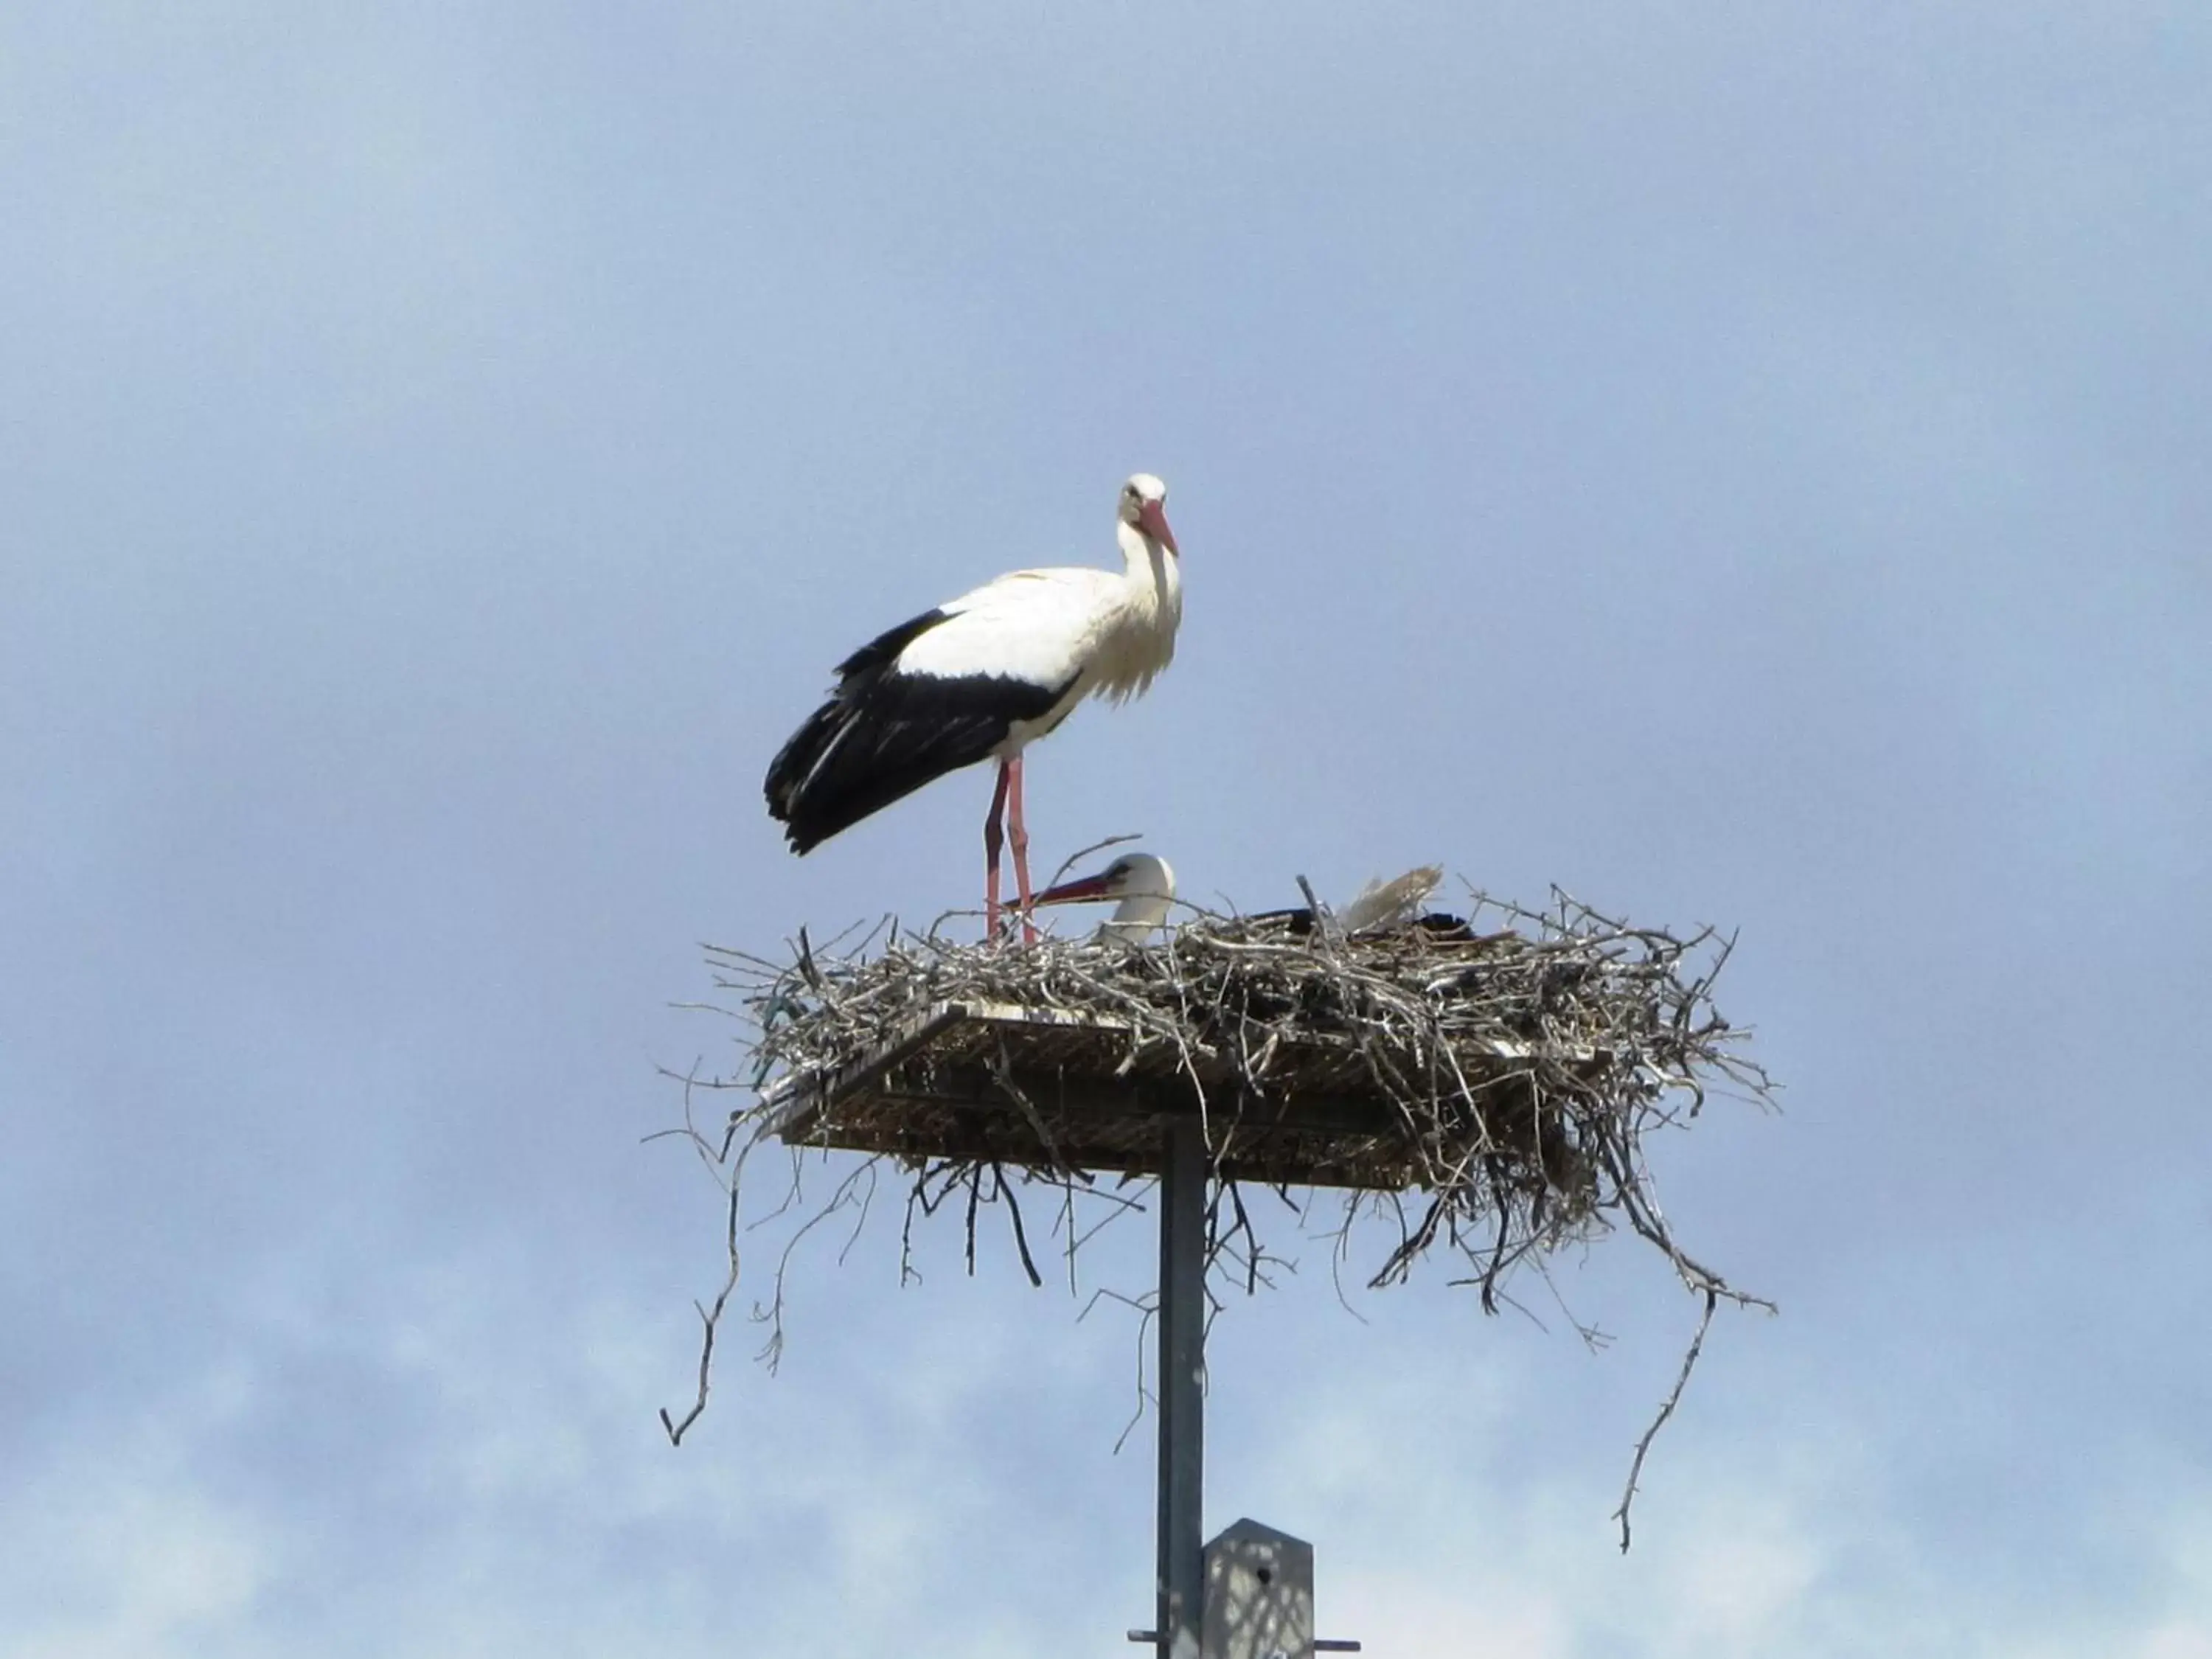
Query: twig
[(1666, 1410), (709, 1318), (1082, 853)]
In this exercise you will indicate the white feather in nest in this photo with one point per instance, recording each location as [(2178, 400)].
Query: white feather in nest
[(1390, 903)]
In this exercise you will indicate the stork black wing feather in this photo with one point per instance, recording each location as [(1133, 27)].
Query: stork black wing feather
[(872, 659), (882, 735)]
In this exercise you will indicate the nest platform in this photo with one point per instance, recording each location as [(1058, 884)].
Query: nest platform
[(1504, 1067), (1056, 1090)]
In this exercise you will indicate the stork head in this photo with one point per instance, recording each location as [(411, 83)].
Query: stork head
[(1145, 886), (1145, 508)]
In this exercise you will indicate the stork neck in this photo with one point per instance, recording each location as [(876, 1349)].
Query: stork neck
[(1153, 574), (1147, 560)]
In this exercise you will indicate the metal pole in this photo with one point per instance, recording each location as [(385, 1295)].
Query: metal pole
[(1183, 1356)]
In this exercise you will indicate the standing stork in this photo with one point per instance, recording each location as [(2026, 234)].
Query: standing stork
[(979, 678)]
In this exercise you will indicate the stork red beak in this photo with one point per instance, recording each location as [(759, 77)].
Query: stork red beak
[(1074, 892), (1154, 518)]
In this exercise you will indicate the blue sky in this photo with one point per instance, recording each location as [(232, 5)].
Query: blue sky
[(1742, 463)]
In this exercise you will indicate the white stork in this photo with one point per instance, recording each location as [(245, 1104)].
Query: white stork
[(979, 678), (1143, 885)]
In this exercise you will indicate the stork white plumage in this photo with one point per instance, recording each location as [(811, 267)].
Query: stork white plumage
[(1143, 885), (1392, 904), (979, 678)]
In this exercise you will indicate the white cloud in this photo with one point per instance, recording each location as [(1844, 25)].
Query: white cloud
[(129, 1558)]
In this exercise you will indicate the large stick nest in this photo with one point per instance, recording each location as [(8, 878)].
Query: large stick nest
[(1484, 1086), (1502, 1070)]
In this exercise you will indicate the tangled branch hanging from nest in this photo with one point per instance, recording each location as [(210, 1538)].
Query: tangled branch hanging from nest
[(1483, 1087)]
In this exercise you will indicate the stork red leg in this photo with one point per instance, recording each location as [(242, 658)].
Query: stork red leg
[(991, 839), (1018, 832)]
